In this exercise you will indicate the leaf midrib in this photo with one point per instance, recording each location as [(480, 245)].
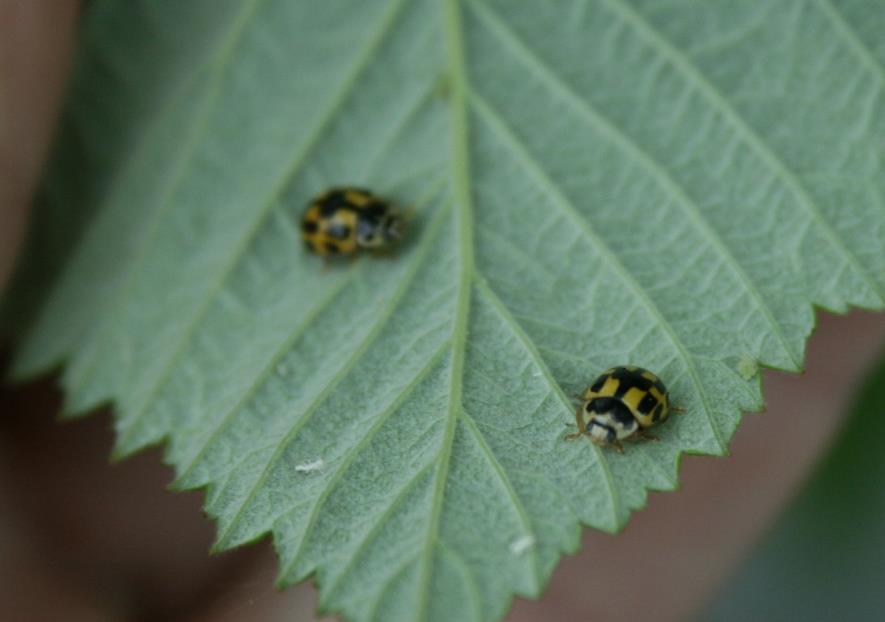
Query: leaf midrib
[(460, 167)]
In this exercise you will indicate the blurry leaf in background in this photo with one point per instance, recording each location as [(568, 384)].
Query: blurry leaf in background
[(825, 558)]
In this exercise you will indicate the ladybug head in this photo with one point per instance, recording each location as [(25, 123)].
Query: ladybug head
[(380, 232), (391, 227), (600, 433)]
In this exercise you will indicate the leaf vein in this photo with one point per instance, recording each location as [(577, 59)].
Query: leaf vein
[(567, 208), (469, 580), (654, 168), (356, 355), (512, 495), (354, 452), (242, 247), (529, 345), (285, 347), (855, 42), (103, 333), (776, 164), (373, 532)]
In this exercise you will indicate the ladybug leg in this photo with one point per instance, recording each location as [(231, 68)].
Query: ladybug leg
[(334, 262), (409, 213), (571, 435), (579, 423), (617, 445), (647, 435), (384, 253), (676, 409)]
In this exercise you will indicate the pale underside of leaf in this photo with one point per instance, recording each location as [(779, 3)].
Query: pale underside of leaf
[(593, 183)]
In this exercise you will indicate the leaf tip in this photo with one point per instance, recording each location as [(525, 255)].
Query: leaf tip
[(177, 485), (219, 546), (123, 447), (69, 408), (116, 456)]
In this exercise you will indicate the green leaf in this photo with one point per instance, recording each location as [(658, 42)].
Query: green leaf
[(823, 559), (594, 183)]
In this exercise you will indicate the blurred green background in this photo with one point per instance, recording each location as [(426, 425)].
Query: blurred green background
[(824, 559)]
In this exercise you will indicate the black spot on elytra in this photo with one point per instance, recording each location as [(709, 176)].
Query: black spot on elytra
[(648, 402), (628, 379), (376, 210), (332, 202), (309, 226), (656, 415), (613, 407), (331, 248)]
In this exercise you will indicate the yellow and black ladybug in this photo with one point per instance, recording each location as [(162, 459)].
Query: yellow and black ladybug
[(621, 402), (342, 221)]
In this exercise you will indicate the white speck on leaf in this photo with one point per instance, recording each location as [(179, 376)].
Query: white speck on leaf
[(310, 467), (521, 545)]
